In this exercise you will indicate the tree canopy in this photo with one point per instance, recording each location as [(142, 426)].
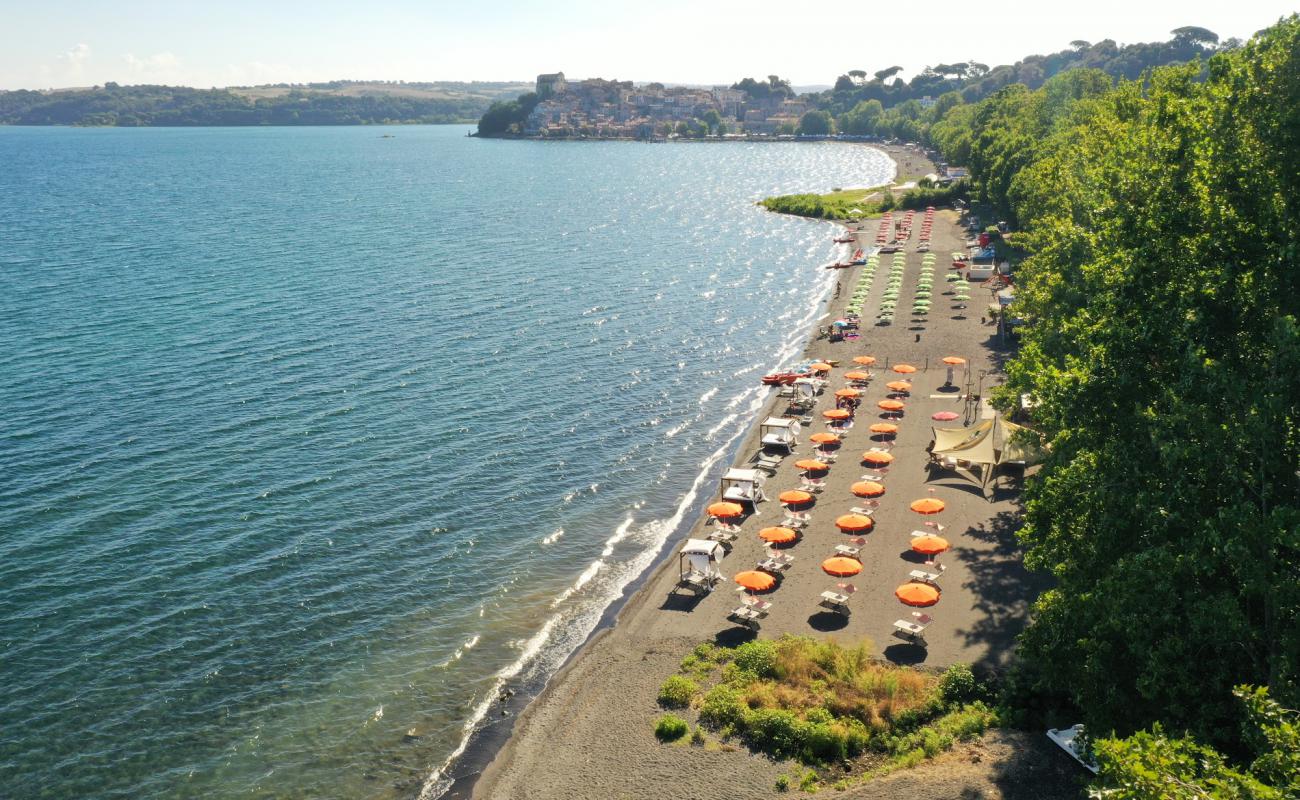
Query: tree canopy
[(1163, 289)]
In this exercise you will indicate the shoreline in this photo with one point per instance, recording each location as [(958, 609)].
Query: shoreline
[(476, 771)]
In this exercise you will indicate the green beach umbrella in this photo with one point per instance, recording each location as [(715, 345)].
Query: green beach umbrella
[(962, 298)]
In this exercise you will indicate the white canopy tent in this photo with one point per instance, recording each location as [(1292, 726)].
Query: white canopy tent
[(697, 565), (743, 485), (986, 445), (780, 432)]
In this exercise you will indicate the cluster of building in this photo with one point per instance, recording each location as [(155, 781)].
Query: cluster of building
[(618, 109)]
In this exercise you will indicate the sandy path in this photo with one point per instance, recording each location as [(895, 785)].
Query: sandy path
[(589, 735)]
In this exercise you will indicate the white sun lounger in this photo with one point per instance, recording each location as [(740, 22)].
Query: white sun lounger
[(913, 630)]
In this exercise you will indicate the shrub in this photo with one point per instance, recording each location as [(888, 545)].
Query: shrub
[(775, 731), (958, 685), (677, 692), (670, 728), (721, 708), (808, 782), (783, 783), (758, 657), (697, 737)]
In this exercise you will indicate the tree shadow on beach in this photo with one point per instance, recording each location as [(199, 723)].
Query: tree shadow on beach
[(681, 601), (827, 622), (905, 654), (734, 636), (1003, 588)]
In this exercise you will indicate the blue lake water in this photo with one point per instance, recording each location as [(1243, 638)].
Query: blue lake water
[(311, 437)]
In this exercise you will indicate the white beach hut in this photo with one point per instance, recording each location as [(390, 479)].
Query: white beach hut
[(780, 432), (743, 485), (698, 565)]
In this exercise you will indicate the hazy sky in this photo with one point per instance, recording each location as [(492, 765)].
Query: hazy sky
[(232, 42)]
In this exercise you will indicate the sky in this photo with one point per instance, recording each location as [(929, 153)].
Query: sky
[(62, 43)]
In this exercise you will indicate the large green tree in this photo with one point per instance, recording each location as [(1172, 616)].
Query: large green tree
[(1164, 354)]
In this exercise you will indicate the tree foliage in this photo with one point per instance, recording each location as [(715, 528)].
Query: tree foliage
[(136, 106), (1151, 764), (1164, 355)]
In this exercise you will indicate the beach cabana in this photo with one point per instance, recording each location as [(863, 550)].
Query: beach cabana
[(697, 566), (780, 432), (743, 486)]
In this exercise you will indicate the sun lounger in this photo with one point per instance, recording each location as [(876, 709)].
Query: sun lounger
[(913, 630), (872, 476), (921, 576), (696, 582), (773, 566), (866, 512), (839, 603), (747, 616), (723, 536), (797, 523), (847, 550)]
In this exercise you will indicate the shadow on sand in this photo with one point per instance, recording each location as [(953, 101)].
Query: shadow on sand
[(906, 654), (826, 622)]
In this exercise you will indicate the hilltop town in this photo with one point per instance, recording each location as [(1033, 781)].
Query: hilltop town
[(614, 109)]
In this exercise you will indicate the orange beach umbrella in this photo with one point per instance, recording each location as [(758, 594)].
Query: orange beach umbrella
[(725, 509), (877, 457), (847, 393), (824, 438), (836, 413), (857, 375), (820, 366), (854, 522), (778, 535), (841, 566), (891, 405), (953, 361), (903, 369), (755, 581), (916, 594), (930, 545), (899, 386), (883, 427), (927, 505), (794, 496), (867, 489), (811, 464), (865, 361)]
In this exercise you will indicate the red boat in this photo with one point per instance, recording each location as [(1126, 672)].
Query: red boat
[(838, 266), (782, 378)]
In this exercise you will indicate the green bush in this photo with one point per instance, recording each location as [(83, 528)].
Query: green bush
[(758, 657), (697, 737), (783, 783), (677, 692), (958, 685), (721, 708), (775, 731), (670, 728)]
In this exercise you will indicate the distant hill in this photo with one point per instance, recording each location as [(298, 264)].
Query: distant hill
[(332, 103)]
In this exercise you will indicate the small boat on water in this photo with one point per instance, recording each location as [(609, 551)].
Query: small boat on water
[(782, 378), (842, 265), (845, 240)]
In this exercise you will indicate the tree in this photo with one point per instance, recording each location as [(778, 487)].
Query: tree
[(1192, 33), (844, 84), (858, 75), (1148, 765), (1081, 44), (712, 120), (816, 123), (1164, 287), (885, 74)]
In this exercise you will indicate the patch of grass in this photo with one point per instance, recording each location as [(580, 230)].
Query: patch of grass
[(677, 692), (670, 728), (821, 704), (843, 204)]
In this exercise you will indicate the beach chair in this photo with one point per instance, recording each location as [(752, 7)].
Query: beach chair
[(815, 485), (932, 578), (767, 462), (913, 630), (747, 617), (872, 476), (797, 523), (849, 550), (837, 603), (723, 537), (863, 510), (697, 583)]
